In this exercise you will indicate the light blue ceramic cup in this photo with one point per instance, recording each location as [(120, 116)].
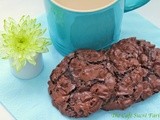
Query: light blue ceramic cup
[(92, 29)]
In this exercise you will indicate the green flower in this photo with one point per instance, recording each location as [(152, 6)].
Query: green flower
[(22, 41)]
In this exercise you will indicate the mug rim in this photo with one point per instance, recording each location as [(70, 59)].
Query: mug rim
[(83, 11)]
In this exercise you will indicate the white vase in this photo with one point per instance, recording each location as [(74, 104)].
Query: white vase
[(29, 71)]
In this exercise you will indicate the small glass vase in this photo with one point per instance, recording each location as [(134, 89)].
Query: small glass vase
[(29, 71)]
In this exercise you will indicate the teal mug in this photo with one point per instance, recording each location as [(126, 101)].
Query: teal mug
[(91, 29)]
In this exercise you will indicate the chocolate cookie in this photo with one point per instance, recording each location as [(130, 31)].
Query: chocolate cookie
[(88, 80), (81, 83), (136, 66)]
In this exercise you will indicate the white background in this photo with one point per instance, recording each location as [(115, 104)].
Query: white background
[(17, 8)]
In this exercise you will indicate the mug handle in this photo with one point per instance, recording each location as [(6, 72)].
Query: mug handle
[(133, 4)]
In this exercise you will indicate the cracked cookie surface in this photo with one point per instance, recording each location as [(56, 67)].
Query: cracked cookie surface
[(135, 63), (87, 80), (80, 83)]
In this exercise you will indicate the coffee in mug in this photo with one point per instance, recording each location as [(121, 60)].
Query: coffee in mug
[(84, 4)]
